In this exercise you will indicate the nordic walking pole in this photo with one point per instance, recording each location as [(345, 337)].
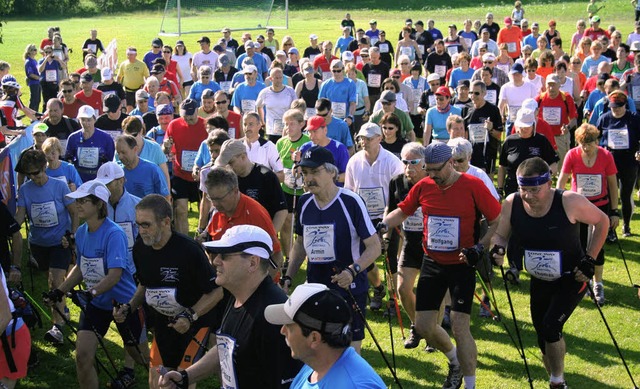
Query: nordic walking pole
[(624, 260)]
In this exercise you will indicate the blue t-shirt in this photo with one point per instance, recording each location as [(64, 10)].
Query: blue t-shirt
[(339, 151), (338, 129), (247, 93), (349, 371), (590, 65), (342, 93), (151, 151), (149, 57), (238, 78), (258, 61), (157, 134), (599, 109), (46, 207), (136, 111), (471, 35), (333, 237), (592, 100), (87, 155), (203, 156), (146, 178), (342, 43), (531, 40), (31, 67), (198, 87), (52, 69), (99, 251), (67, 171), (124, 215), (435, 34), (439, 121), (458, 75)]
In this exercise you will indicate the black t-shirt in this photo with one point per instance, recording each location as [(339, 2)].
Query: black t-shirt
[(493, 91), (434, 59), (219, 75), (494, 28), (106, 124), (396, 147), (114, 87), (255, 353), (425, 39), (8, 227), (380, 71), (309, 51), (472, 117), (516, 149), (296, 78), (99, 48), (263, 186), (353, 45), (63, 129), (386, 51), (176, 277), (348, 23)]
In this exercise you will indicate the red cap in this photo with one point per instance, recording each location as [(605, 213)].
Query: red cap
[(315, 122), (508, 21), (443, 91)]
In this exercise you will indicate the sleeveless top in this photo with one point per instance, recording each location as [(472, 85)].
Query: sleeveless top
[(550, 243), (310, 96)]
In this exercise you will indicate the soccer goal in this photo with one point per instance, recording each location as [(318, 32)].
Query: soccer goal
[(201, 16)]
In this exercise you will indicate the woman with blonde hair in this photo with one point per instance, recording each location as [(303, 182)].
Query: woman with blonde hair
[(33, 75), (52, 148)]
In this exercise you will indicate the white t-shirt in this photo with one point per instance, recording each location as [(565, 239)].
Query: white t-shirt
[(265, 153), (276, 103), (210, 59), (515, 95), (184, 62)]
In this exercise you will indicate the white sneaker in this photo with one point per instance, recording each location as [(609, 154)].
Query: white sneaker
[(54, 336)]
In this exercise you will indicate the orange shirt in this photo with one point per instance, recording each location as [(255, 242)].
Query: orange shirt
[(512, 37), (248, 211)]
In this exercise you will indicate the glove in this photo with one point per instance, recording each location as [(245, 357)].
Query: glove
[(52, 296), (81, 298), (587, 265), (496, 249), (382, 227), (473, 254)]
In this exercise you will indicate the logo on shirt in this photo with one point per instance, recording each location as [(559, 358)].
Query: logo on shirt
[(534, 151), (169, 274)]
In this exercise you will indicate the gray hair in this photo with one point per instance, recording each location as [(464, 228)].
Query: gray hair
[(414, 148), (333, 169), (374, 50), (219, 176), (481, 84), (460, 148)]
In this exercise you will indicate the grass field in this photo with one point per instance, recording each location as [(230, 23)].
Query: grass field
[(592, 361)]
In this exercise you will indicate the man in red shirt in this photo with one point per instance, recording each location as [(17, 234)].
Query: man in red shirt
[(233, 208), (71, 105), (233, 119), (559, 110), (182, 139), (88, 95), (594, 32), (322, 63), (512, 36), (166, 85), (451, 203)]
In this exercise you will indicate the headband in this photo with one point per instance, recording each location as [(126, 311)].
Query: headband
[(534, 181), (131, 52)]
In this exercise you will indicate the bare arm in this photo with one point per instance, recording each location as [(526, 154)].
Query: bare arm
[(372, 251), (503, 231), (5, 311), (579, 209), (612, 182), (75, 221), (562, 180), (279, 218), (394, 218)]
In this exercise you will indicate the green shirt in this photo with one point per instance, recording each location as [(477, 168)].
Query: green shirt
[(285, 147)]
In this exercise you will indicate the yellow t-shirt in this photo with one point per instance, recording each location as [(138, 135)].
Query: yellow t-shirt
[(132, 75)]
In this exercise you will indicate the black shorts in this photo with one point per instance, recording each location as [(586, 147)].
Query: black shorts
[(552, 303), (412, 251), (436, 279), (132, 331), (131, 98), (290, 200), (54, 257), (182, 189)]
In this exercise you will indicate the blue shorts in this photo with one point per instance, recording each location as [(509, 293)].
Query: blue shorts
[(54, 257), (132, 330)]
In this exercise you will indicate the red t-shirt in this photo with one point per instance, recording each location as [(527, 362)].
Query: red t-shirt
[(592, 181), (595, 34), (45, 42), (95, 100), (170, 87), (248, 211), (320, 62), (235, 124), (10, 106), (512, 37), (186, 142), (543, 128), (451, 215), (554, 111), (71, 110)]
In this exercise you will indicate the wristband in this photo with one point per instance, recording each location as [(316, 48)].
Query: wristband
[(614, 212), (351, 271), (284, 279)]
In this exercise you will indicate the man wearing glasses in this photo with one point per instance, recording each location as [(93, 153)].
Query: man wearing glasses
[(341, 91), (59, 125), (489, 60), (451, 203)]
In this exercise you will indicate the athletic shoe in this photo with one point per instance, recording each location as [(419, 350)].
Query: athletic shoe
[(454, 378), (611, 236), (429, 348), (626, 231), (484, 312), (376, 300), (54, 336), (124, 380), (413, 340), (446, 319), (513, 276), (391, 309), (599, 291), (562, 385)]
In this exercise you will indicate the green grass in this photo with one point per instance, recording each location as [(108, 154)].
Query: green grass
[(592, 361)]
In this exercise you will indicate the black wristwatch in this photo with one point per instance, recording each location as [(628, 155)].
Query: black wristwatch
[(357, 268)]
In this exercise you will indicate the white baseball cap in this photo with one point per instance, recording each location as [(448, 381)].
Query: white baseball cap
[(108, 172), (244, 238), (86, 111), (93, 187)]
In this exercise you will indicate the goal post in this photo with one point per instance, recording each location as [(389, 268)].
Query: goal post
[(203, 16)]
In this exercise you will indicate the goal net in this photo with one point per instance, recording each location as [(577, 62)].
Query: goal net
[(200, 16)]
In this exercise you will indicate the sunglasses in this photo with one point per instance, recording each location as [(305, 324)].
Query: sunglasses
[(323, 114), (30, 174), (221, 102), (167, 51), (337, 70), (411, 161), (67, 91), (475, 93)]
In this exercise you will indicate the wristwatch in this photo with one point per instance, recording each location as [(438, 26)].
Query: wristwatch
[(357, 268), (193, 313)]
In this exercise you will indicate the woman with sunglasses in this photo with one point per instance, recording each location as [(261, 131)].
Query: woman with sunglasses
[(50, 216), (184, 59), (593, 171), (174, 72), (391, 125)]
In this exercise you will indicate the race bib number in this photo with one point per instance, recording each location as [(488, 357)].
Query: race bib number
[(440, 70), (232, 132), (319, 241), (312, 57), (272, 48), (414, 222), (432, 100), (88, 157), (618, 139), (326, 76), (421, 49), (225, 86), (468, 42), (477, 133), (453, 49), (589, 185), (113, 133), (188, 160), (374, 80), (373, 199), (44, 215), (552, 115), (512, 47), (276, 127), (127, 227), (92, 47), (374, 40), (92, 270), (635, 92), (226, 347), (384, 48), (503, 67), (63, 143), (544, 265), (513, 113), (163, 300), (491, 96), (51, 75), (406, 51), (443, 233), (291, 181), (339, 109), (248, 106), (309, 112), (593, 70)]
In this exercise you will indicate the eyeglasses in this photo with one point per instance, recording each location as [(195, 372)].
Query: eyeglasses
[(389, 128), (387, 102), (576, 63), (323, 114), (337, 70), (166, 51), (364, 56), (475, 93), (395, 77), (437, 169), (219, 199), (67, 91), (221, 102), (488, 62), (411, 161), (29, 174), (531, 70), (459, 160), (48, 52)]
